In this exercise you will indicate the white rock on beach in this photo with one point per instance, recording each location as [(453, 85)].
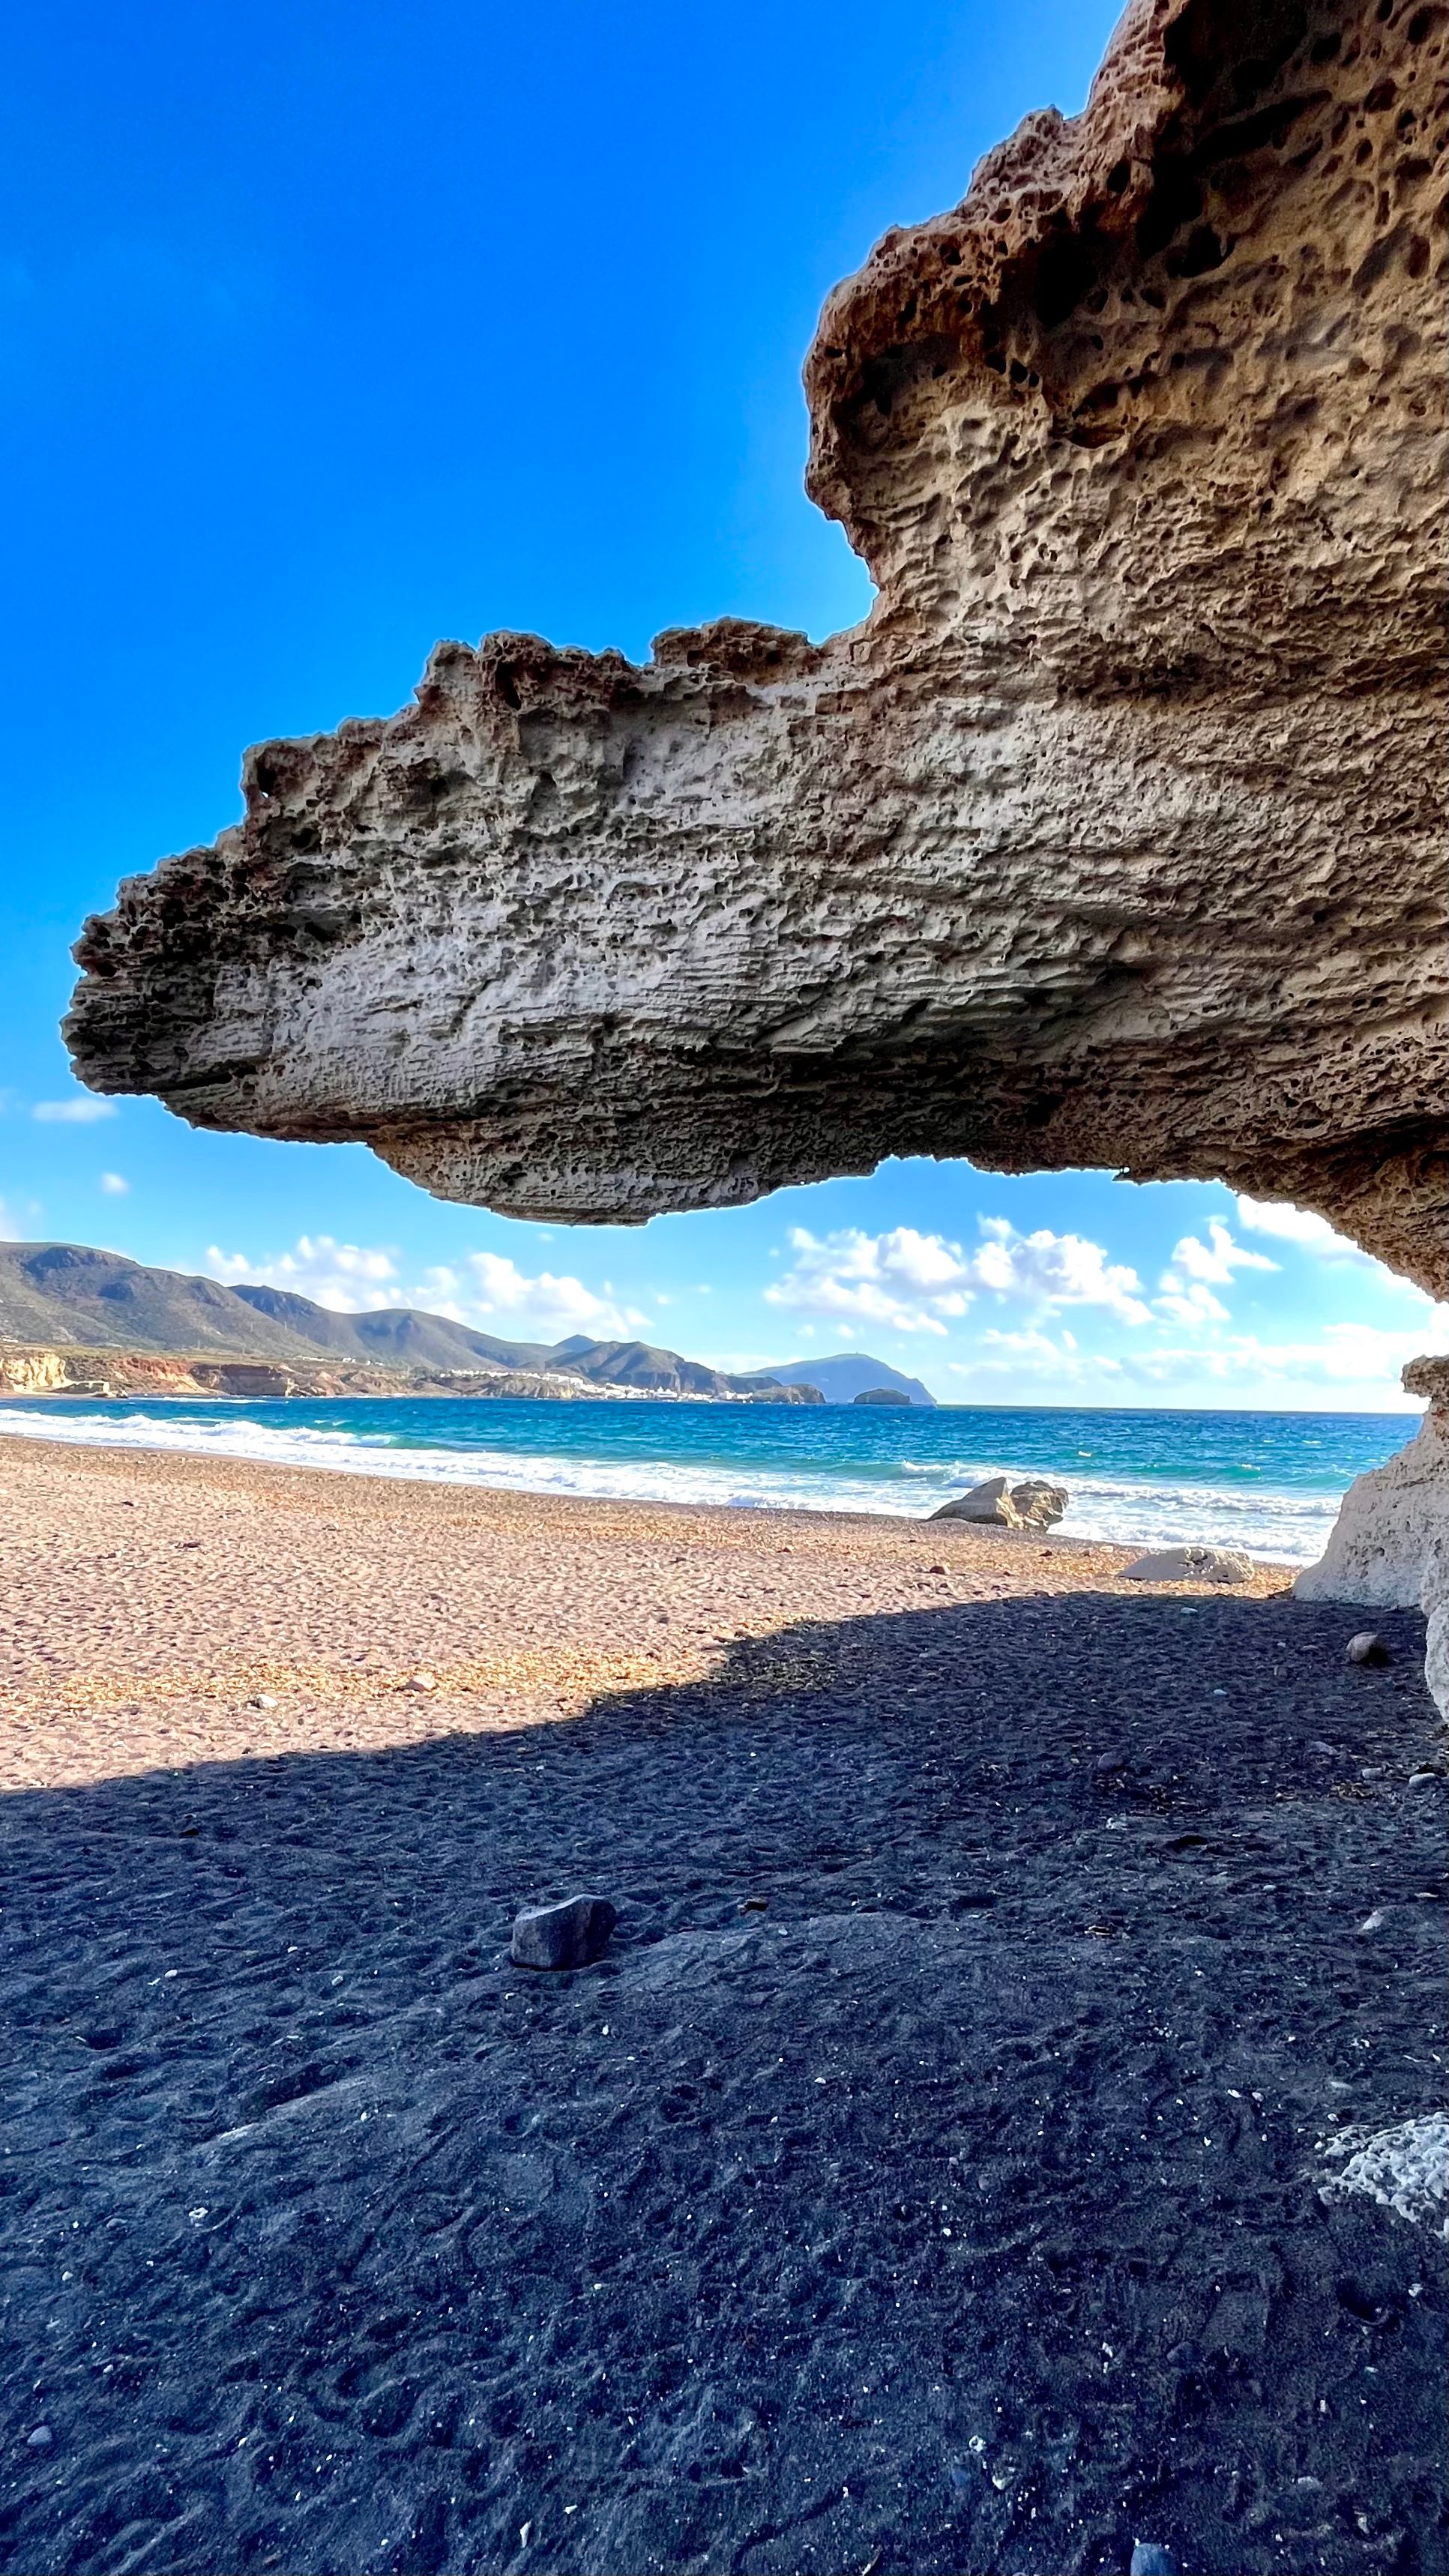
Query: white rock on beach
[(1191, 1565), (1389, 1547), (1379, 1550), (1033, 1504), (987, 1502)]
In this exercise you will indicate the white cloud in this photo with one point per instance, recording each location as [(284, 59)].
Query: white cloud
[(1190, 1305), (1198, 1268), (1298, 1225), (548, 1308), (82, 1111), (348, 1277), (1056, 1270), (1053, 1359), (1347, 1360), (485, 1288), (1215, 1261), (114, 1186), (909, 1281), (921, 1283)]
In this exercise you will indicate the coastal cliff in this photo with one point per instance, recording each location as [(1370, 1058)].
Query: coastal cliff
[(27, 1372)]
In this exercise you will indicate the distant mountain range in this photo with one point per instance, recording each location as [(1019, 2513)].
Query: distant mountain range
[(68, 1295)]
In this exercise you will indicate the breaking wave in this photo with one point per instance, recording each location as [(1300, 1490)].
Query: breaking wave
[(1267, 1483)]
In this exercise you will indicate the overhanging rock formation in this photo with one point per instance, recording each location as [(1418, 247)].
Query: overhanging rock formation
[(1112, 837)]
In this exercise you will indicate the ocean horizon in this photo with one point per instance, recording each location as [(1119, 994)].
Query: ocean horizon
[(1267, 1483)]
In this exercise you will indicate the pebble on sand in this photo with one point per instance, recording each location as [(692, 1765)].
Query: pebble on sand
[(1367, 1648), (571, 1935), (41, 2438), (423, 1681)]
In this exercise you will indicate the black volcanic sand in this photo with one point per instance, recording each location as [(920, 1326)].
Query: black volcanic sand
[(958, 2211)]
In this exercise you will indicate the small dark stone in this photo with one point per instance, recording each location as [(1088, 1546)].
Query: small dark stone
[(571, 1935), (1367, 1648), (1149, 2558), (1110, 1762), (1184, 2356)]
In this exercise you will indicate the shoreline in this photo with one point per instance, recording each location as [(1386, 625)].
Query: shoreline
[(1130, 1487), (592, 1391)]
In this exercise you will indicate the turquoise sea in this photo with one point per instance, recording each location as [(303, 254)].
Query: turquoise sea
[(1267, 1482)]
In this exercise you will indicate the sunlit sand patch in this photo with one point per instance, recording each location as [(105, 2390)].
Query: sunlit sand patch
[(100, 1726), (84, 1727)]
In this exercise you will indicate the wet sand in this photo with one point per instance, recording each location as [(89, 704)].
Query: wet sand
[(929, 2177)]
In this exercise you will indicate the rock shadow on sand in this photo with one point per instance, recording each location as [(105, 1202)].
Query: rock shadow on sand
[(928, 2177)]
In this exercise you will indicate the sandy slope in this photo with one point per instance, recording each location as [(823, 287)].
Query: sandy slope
[(930, 2169)]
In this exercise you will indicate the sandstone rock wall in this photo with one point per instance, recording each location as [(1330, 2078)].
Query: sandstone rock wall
[(1112, 837), (1389, 1549)]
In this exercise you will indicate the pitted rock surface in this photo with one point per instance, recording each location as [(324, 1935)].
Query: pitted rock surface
[(1110, 837)]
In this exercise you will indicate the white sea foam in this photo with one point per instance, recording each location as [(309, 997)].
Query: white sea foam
[(1261, 1520)]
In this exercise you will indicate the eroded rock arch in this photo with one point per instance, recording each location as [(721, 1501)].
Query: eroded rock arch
[(1113, 836)]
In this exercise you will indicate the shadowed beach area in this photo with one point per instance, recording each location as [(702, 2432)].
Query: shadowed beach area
[(937, 2172)]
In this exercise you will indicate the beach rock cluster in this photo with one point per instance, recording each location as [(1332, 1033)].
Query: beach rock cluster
[(1032, 1505), (1110, 837)]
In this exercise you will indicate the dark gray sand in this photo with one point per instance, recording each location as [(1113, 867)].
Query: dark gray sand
[(959, 2209)]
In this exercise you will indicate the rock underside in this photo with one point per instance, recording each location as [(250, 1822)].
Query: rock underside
[(1111, 837)]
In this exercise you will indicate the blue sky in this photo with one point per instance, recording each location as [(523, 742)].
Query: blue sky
[(326, 331)]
